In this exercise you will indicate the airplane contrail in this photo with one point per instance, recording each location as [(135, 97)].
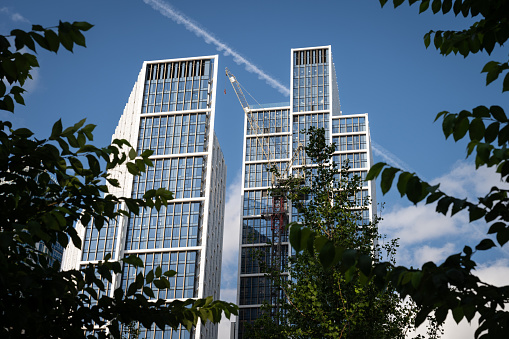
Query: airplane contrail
[(169, 12), (390, 158)]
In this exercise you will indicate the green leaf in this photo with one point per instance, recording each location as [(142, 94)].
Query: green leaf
[(496, 227), (82, 25), (498, 113), (52, 39), (133, 260), (427, 38), (423, 6), (505, 84), (327, 254), (457, 314), (491, 132), (446, 6), (65, 39), (158, 272), (483, 152), (503, 135), (40, 40), (480, 112), (485, 244), (489, 41), (435, 6), (387, 178), (440, 114), (416, 279), (374, 171), (476, 129), (365, 264), (414, 190), (398, 2), (132, 154), (476, 213), (149, 277), (460, 128), (23, 133), (403, 181), (503, 236), (349, 259), (448, 124)]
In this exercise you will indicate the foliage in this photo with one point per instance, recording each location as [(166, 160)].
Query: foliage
[(47, 185), (450, 286), (318, 302)]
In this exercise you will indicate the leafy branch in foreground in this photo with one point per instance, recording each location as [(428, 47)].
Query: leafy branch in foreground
[(15, 66), (46, 187)]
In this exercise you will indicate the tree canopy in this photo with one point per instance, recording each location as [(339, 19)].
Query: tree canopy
[(49, 184), (318, 302)]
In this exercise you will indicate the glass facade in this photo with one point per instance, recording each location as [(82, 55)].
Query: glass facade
[(175, 122), (312, 105)]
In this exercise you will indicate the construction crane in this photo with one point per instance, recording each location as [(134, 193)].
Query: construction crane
[(277, 214)]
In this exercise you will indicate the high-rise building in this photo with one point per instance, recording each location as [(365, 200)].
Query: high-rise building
[(171, 111), (314, 101)]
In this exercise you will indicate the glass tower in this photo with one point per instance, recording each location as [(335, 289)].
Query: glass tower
[(314, 101), (170, 111)]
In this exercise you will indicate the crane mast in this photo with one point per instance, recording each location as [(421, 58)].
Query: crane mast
[(277, 214)]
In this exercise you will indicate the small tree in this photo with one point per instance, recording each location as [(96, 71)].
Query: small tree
[(46, 186), (318, 302)]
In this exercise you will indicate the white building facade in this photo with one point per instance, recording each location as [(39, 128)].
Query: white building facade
[(171, 111), (314, 101)]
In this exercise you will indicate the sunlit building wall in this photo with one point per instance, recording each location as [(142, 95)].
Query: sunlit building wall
[(170, 111)]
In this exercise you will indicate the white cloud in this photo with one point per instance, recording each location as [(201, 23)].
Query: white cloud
[(16, 17), (436, 254), (415, 224), (232, 222), (230, 250), (464, 181)]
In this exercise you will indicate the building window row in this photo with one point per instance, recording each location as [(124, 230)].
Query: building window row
[(254, 290), (98, 243), (274, 121), (310, 88), (310, 56), (360, 198), (179, 69), (352, 160), (349, 125), (177, 86), (256, 260), (183, 285), (301, 125), (258, 175), (172, 134), (181, 176), (176, 225), (361, 175), (259, 231), (273, 147), (256, 202), (350, 142), (155, 332)]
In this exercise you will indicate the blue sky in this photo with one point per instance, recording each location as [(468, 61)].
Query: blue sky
[(382, 68)]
